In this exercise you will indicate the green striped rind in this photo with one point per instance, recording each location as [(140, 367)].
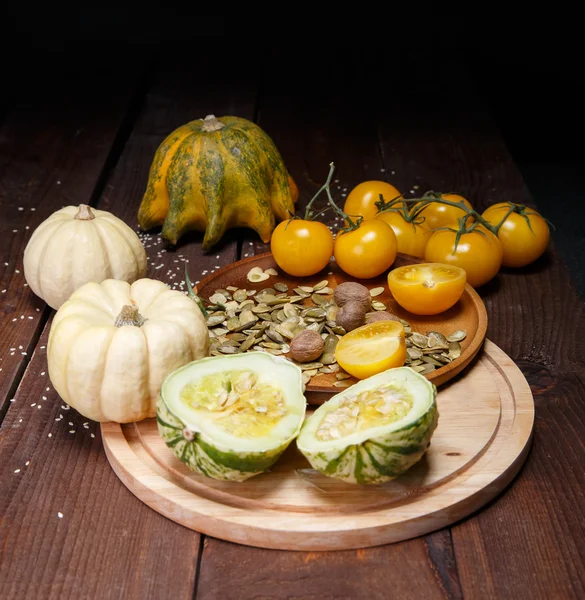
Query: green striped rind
[(381, 458), (200, 455)]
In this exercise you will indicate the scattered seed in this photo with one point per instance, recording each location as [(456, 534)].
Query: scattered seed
[(376, 291)]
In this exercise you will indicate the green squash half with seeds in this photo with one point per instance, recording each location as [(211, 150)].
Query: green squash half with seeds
[(231, 417), (373, 431)]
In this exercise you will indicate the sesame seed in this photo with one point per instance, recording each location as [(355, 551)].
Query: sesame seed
[(44, 397), (17, 470), (27, 463), (43, 347), (50, 435), (33, 208), (60, 515), (21, 208), (34, 404), (72, 431), (42, 372), (92, 435)]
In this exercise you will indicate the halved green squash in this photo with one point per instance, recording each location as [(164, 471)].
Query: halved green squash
[(375, 430), (231, 417)]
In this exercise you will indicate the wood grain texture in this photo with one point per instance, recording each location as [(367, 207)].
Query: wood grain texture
[(536, 317), (107, 544), (374, 573), (482, 439), (52, 153)]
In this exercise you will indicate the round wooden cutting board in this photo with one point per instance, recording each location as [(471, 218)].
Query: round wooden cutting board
[(483, 437)]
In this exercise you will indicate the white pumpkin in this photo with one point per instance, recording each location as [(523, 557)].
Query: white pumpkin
[(78, 244), (112, 344)]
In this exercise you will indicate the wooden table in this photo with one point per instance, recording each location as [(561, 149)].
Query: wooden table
[(70, 529)]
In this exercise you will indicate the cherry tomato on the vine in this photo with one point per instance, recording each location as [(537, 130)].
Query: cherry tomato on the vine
[(411, 238), (524, 234), (366, 251), (301, 247), (479, 252), (438, 215), (361, 200)]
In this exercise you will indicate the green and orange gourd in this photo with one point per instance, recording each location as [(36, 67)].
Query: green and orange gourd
[(214, 174)]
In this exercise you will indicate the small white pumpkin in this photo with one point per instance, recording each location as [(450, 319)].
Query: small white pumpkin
[(112, 344), (78, 244)]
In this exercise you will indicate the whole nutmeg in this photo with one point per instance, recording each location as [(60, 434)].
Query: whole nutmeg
[(351, 291), (381, 315), (351, 315), (306, 346)]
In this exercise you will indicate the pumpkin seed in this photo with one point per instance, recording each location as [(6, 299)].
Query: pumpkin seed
[(454, 350), (281, 287), (319, 299), (226, 349), (342, 384), (414, 353), (218, 299), (321, 285), (437, 340), (300, 292), (233, 323), (457, 336), (327, 291), (247, 342), (215, 319), (271, 271), (275, 336), (342, 376), (377, 305), (420, 340), (376, 291), (240, 295)]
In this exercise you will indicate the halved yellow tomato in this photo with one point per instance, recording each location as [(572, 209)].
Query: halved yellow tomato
[(427, 288), (372, 348)]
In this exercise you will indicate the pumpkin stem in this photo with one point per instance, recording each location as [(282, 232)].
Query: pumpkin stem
[(210, 123), (129, 315), (84, 213)]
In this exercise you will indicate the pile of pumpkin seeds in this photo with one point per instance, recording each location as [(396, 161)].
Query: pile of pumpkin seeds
[(241, 320)]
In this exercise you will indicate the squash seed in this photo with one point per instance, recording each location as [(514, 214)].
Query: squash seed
[(281, 287), (377, 305), (457, 336), (376, 291), (271, 271), (321, 285)]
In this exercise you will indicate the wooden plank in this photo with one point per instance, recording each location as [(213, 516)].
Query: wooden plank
[(230, 571), (53, 152), (107, 544), (312, 126), (529, 543)]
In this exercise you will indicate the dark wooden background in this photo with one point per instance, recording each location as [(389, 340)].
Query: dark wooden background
[(80, 119)]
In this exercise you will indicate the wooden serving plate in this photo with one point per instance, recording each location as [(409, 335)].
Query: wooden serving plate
[(482, 439), (468, 314)]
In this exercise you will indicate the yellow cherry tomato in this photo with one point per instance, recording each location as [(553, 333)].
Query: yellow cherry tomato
[(372, 348), (361, 201), (367, 251), (524, 234), (411, 238), (300, 247), (438, 215), (479, 252), (427, 288)]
